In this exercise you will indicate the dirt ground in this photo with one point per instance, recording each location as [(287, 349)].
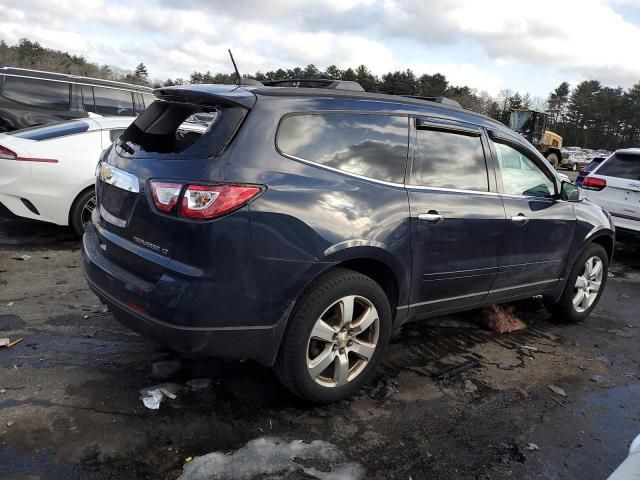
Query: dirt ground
[(70, 404)]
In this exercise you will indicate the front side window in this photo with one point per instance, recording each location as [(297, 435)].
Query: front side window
[(621, 165), (113, 102), (445, 159), (373, 146), (37, 93), (520, 175)]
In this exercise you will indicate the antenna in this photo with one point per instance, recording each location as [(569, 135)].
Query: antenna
[(235, 68)]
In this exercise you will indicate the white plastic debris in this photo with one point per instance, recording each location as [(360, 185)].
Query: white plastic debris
[(532, 447), (274, 456), (557, 390), (152, 396)]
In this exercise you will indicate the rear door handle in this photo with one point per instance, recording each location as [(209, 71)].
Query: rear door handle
[(520, 219), (432, 217)]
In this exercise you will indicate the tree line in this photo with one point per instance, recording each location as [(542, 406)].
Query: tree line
[(589, 115)]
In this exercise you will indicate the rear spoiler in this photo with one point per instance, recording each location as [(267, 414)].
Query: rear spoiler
[(229, 95)]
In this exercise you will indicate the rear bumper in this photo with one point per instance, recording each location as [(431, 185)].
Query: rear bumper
[(128, 296)]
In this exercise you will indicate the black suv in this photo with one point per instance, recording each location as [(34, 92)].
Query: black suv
[(30, 97), (299, 226)]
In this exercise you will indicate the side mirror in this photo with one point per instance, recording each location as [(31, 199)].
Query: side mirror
[(570, 192)]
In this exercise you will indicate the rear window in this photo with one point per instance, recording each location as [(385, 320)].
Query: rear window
[(113, 102), (621, 165), (176, 129), (37, 93), (370, 145), (51, 131), (594, 163)]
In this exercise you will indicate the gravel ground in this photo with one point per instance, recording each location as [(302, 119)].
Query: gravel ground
[(70, 402)]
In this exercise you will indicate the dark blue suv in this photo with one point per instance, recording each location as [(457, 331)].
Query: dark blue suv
[(299, 226)]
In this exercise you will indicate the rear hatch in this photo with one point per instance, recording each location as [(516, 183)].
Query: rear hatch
[(180, 139), (620, 192)]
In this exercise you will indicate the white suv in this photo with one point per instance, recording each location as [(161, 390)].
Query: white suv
[(615, 186)]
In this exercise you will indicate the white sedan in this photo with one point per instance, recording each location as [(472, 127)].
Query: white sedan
[(48, 173)]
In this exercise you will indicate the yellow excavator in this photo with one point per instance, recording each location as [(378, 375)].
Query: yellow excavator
[(532, 125)]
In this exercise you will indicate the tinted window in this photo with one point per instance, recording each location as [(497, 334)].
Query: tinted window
[(520, 175), (37, 93), (621, 165), (113, 102), (87, 99), (374, 146), (52, 131), (449, 160)]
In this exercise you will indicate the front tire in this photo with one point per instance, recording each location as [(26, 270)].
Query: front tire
[(80, 214), (335, 338), (584, 286)]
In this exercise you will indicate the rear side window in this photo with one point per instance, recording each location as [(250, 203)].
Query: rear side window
[(37, 93), (51, 131), (447, 159), (88, 104), (178, 129), (373, 146), (621, 165), (113, 102)]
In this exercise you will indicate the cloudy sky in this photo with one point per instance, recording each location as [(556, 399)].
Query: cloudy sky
[(489, 44)]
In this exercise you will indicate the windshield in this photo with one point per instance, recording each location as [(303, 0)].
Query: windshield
[(519, 121)]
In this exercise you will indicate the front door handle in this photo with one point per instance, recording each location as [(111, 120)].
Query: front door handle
[(520, 219), (432, 217)]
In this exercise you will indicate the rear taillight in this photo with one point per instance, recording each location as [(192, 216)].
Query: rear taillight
[(211, 201), (165, 195), (201, 201), (7, 154), (594, 183)]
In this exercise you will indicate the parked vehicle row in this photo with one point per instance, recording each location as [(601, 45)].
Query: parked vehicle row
[(302, 225)]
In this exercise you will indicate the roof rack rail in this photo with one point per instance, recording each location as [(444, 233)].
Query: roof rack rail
[(442, 100), (316, 83)]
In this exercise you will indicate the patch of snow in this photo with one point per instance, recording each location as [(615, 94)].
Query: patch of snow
[(274, 456)]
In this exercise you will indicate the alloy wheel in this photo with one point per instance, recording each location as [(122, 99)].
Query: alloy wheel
[(588, 284), (87, 210), (343, 341)]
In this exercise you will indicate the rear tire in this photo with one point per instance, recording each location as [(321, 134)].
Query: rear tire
[(81, 210), (554, 160), (335, 337), (580, 295)]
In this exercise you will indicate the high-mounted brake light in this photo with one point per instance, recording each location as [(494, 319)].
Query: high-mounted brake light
[(211, 201), (165, 195), (594, 183)]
